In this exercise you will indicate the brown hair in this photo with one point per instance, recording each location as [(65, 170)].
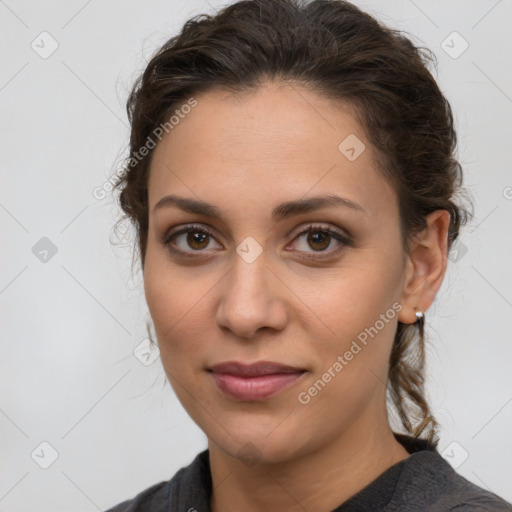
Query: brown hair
[(331, 47)]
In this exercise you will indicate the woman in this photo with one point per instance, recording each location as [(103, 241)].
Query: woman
[(293, 185)]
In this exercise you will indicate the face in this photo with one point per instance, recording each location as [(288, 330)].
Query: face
[(316, 288)]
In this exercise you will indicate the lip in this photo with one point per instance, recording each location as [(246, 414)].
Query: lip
[(255, 381)]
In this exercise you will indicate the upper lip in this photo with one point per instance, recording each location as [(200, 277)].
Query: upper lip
[(253, 369)]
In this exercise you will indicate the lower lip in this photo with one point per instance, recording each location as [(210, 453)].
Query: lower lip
[(254, 388)]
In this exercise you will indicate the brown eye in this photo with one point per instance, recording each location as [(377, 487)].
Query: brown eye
[(319, 240), (196, 240), (190, 240)]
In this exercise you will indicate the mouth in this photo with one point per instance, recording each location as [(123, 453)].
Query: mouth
[(256, 381)]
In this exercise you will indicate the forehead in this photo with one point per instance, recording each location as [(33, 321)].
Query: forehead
[(278, 141)]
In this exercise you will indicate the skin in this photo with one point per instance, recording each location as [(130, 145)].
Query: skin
[(246, 154)]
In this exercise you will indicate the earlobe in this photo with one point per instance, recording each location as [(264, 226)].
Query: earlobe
[(425, 267)]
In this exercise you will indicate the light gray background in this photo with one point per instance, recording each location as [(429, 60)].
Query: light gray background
[(68, 375)]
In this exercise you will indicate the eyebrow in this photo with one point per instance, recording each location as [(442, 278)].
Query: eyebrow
[(280, 212)]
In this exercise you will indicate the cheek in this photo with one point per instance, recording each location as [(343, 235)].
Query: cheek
[(178, 303), (357, 312), (352, 299), (352, 364)]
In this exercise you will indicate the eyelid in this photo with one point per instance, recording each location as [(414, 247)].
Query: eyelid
[(320, 226), (342, 237), (172, 233)]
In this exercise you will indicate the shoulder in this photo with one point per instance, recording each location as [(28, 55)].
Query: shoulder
[(153, 498), (464, 495), (192, 481), (429, 478), (482, 504)]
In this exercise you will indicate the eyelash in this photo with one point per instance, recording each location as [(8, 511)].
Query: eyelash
[(314, 228)]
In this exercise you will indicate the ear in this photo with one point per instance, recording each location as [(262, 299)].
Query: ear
[(425, 266)]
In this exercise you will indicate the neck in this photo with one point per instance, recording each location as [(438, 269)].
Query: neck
[(319, 480)]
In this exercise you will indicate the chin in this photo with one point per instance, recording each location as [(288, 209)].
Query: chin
[(254, 445)]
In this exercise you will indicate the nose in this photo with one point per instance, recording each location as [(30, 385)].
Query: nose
[(251, 299)]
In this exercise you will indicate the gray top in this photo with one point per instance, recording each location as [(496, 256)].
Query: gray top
[(424, 481)]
